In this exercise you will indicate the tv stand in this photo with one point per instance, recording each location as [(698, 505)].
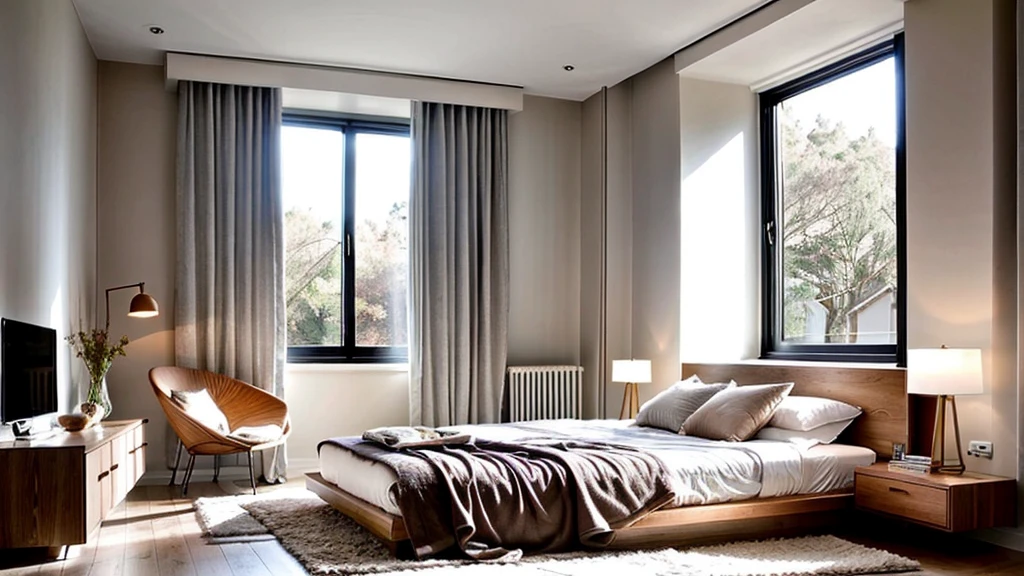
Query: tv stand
[(57, 489)]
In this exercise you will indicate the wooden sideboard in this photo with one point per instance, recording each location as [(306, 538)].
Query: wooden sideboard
[(55, 492)]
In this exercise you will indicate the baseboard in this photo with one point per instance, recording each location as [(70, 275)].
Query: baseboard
[(1012, 538), (296, 468)]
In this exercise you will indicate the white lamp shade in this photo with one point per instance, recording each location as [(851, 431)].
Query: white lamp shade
[(947, 371), (637, 371)]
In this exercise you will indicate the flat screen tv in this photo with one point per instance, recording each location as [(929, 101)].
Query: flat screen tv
[(28, 371)]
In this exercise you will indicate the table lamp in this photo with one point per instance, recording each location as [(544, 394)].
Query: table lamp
[(945, 373), (632, 372)]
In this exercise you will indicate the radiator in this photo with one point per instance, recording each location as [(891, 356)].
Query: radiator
[(545, 392)]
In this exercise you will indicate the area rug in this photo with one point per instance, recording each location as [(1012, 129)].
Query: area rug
[(325, 541)]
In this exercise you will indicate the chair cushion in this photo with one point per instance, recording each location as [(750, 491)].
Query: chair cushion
[(256, 434), (200, 407)]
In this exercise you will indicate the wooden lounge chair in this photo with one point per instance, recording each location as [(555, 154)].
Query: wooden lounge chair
[(243, 404)]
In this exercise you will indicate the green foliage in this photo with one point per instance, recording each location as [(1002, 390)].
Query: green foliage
[(97, 351), (840, 221), (313, 280)]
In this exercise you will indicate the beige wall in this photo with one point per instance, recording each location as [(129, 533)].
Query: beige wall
[(656, 213), (720, 221), (606, 248), (137, 139), (961, 191), (48, 176), (544, 232)]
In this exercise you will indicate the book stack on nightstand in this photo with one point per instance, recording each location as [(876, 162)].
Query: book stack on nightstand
[(911, 464), (948, 502)]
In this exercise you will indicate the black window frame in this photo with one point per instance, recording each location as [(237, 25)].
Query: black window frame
[(348, 352), (773, 346)]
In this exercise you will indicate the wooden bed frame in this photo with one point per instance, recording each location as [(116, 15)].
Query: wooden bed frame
[(879, 391)]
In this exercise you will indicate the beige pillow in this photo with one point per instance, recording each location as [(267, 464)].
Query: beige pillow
[(736, 414), (670, 408)]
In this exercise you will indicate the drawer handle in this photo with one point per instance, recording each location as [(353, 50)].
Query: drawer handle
[(103, 475), (899, 490), (139, 447), (115, 467)]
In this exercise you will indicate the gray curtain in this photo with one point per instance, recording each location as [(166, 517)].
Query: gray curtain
[(458, 256), (229, 286)]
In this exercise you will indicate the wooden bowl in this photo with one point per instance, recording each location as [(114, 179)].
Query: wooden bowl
[(73, 422)]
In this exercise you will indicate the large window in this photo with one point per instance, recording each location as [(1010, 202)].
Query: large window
[(346, 197), (832, 176)]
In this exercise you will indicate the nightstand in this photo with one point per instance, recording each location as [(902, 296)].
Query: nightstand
[(942, 501)]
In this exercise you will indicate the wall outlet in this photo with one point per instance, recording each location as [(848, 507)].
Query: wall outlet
[(980, 448)]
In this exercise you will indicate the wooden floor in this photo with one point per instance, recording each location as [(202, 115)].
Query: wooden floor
[(154, 532)]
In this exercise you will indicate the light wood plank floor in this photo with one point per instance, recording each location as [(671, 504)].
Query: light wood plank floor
[(154, 532)]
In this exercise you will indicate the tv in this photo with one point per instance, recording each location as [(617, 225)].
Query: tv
[(28, 372)]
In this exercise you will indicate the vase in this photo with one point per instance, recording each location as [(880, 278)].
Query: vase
[(99, 396)]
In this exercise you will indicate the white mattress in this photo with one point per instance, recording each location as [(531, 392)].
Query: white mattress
[(705, 471)]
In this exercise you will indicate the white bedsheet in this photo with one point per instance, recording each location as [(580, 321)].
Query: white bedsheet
[(705, 471)]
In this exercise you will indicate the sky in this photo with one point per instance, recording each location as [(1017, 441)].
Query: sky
[(863, 99), (312, 173)]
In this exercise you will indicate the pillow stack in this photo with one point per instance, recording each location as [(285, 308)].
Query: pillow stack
[(670, 408), (808, 421)]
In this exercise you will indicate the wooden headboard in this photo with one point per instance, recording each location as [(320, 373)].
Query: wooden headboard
[(879, 392)]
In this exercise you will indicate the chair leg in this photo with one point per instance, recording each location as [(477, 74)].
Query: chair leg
[(188, 474), (177, 460), (252, 474), (216, 468)]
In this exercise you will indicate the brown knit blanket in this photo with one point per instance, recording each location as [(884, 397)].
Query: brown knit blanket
[(495, 499)]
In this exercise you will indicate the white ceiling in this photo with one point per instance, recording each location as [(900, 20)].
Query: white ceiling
[(820, 31), (517, 42)]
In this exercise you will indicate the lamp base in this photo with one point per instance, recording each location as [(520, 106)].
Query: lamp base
[(939, 464), (630, 401)]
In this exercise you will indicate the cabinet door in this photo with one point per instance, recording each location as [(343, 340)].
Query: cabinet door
[(138, 454), (94, 499), (119, 469)]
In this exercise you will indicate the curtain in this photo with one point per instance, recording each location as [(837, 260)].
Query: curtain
[(458, 257), (229, 285)]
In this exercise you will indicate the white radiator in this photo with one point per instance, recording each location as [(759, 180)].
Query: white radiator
[(545, 392)]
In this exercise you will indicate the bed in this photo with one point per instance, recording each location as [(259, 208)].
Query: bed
[(748, 488)]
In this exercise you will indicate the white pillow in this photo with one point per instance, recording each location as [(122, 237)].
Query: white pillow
[(200, 407), (805, 439), (805, 413)]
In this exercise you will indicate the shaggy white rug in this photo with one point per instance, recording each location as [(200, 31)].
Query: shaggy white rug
[(327, 542)]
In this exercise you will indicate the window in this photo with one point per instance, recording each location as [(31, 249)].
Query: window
[(346, 196), (832, 169)]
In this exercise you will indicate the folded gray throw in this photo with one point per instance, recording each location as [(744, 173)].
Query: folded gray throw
[(398, 437)]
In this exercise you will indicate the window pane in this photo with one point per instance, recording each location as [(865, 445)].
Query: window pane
[(382, 239), (838, 164), (311, 176)]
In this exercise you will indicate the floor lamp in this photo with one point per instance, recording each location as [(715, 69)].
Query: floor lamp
[(632, 372), (945, 373)]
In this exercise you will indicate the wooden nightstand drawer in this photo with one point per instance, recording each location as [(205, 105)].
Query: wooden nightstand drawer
[(953, 503), (911, 501)]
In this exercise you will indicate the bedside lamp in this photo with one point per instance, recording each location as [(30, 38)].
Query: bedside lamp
[(632, 372), (946, 373)]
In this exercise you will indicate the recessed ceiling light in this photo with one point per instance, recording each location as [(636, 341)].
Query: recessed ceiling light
[(568, 67), (153, 29)]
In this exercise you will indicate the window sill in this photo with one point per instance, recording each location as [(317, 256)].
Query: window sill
[(820, 364), (307, 367)]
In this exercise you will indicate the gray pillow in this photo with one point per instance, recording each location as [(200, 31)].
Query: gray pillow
[(736, 414), (670, 408)]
